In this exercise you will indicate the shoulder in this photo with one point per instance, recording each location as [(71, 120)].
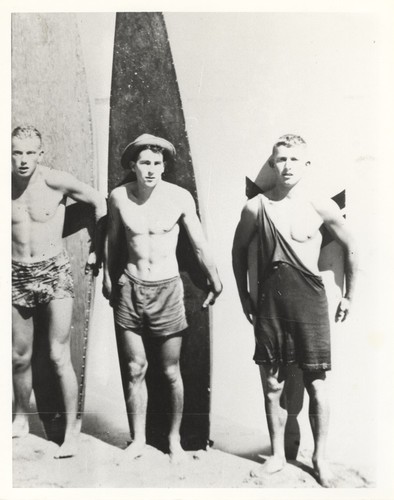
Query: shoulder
[(56, 179), (116, 195), (175, 189), (250, 215), (252, 206), (248, 222), (178, 195), (326, 208)]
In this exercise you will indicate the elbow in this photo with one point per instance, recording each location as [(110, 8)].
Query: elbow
[(351, 249), (199, 253)]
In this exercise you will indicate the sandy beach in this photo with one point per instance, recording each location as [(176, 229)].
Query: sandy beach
[(252, 78), (101, 465)]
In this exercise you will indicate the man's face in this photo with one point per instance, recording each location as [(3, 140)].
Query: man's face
[(148, 167), (26, 153), (289, 164)]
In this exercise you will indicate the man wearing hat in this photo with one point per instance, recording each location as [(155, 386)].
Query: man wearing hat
[(147, 295)]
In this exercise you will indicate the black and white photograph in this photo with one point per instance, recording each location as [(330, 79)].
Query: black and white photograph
[(200, 254)]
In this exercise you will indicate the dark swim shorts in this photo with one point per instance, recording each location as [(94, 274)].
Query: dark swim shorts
[(152, 307), (40, 282), (292, 323)]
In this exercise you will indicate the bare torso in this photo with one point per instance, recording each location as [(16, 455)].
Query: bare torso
[(299, 223), (37, 219), (151, 229)]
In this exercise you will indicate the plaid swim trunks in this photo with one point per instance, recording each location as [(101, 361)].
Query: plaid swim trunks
[(40, 282)]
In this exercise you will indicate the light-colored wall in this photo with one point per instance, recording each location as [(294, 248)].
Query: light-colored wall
[(246, 79)]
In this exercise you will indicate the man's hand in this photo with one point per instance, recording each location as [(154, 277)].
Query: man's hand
[(107, 287), (108, 290), (248, 308), (215, 291), (92, 264), (343, 310)]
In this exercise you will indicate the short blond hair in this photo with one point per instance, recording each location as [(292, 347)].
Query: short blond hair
[(289, 140), (26, 132)]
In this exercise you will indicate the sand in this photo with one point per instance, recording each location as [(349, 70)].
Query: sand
[(100, 465)]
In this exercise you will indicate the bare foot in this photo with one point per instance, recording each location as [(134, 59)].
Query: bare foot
[(270, 466), (177, 453), (323, 474), (68, 449), (135, 450), (20, 426)]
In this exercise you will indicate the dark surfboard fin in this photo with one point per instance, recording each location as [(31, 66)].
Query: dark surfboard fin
[(78, 216), (340, 200), (252, 190)]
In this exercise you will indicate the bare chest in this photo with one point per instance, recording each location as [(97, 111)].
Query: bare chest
[(38, 203), (149, 219), (295, 220)]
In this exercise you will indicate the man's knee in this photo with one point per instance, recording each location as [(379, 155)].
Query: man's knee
[(21, 361), (273, 378), (60, 356), (172, 373), (315, 382), (137, 369), (273, 388)]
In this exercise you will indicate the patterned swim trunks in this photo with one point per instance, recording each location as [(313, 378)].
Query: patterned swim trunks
[(40, 282)]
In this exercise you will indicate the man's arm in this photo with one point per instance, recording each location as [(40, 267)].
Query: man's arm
[(79, 191), (340, 231), (199, 243), (243, 235), (112, 247)]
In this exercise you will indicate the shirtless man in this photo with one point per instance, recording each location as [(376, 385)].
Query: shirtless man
[(290, 317), (41, 276), (147, 295)]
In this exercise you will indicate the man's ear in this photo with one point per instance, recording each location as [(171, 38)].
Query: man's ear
[(271, 162), (132, 165)]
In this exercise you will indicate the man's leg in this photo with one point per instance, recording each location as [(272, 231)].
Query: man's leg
[(22, 348), (273, 380), (170, 351), (134, 364), (59, 315), (316, 385), (294, 393)]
